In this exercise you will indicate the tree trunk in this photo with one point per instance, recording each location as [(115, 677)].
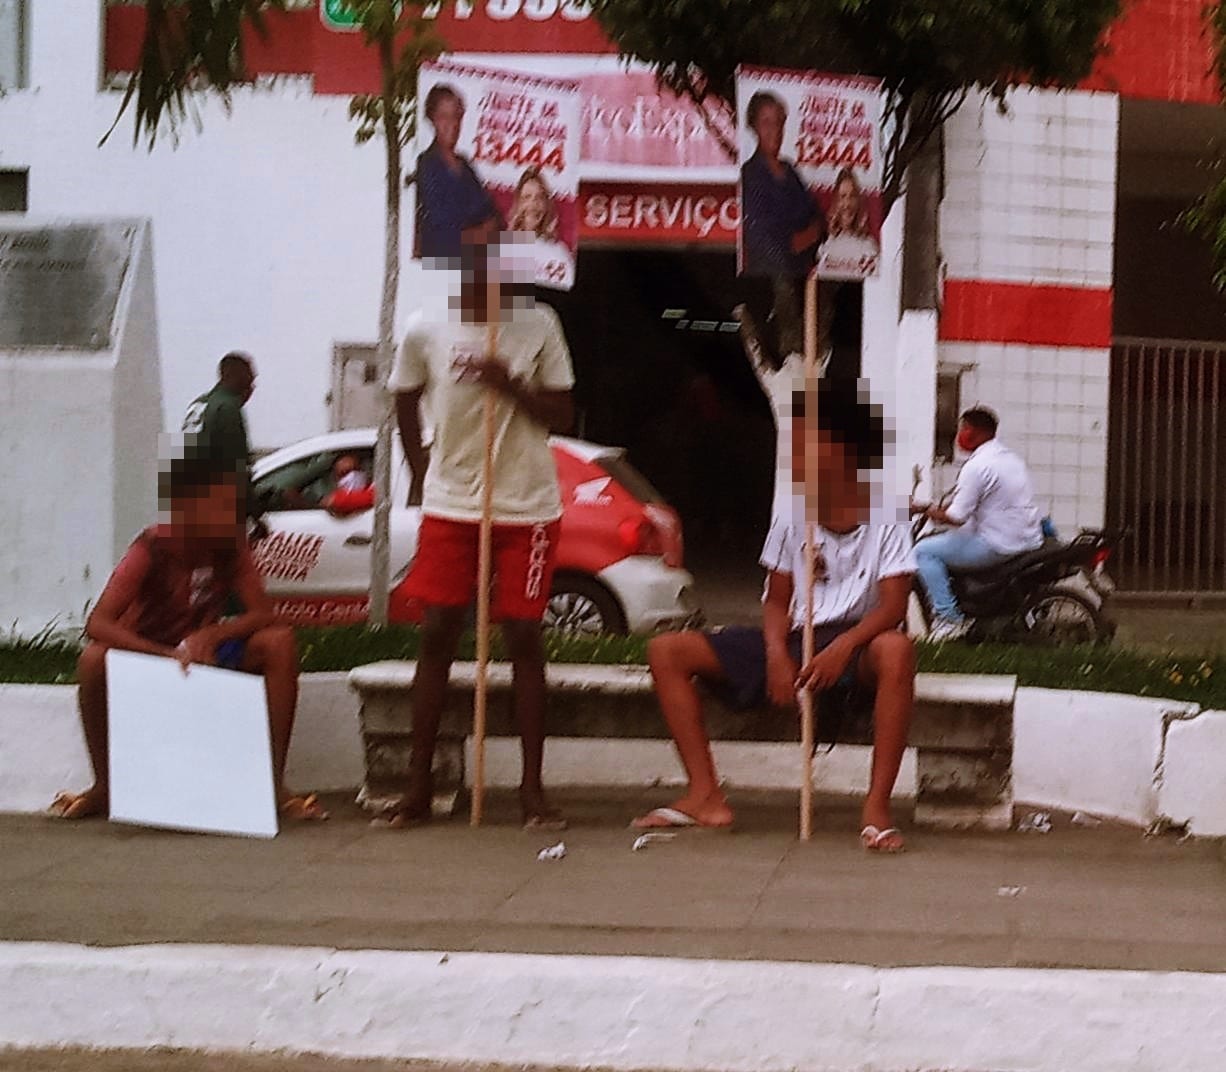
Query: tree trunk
[(380, 546), (921, 255)]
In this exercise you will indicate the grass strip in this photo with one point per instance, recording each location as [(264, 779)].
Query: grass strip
[(1199, 679)]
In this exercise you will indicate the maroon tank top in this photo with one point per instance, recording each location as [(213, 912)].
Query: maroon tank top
[(174, 600)]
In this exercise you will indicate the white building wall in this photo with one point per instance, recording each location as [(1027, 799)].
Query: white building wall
[(1031, 200), (267, 221)]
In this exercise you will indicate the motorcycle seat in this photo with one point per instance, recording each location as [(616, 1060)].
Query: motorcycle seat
[(1049, 547)]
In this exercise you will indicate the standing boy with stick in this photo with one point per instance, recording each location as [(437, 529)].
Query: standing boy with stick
[(862, 581), (530, 378)]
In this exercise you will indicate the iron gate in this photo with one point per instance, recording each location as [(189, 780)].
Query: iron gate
[(1165, 464)]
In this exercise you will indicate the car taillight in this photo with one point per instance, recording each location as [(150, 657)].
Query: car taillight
[(1100, 558), (639, 537)]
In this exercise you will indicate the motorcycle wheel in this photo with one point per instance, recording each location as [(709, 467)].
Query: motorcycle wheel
[(1062, 617)]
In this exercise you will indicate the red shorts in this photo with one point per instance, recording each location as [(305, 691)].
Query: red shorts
[(444, 571)]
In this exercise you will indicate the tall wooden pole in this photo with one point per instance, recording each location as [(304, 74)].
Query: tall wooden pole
[(807, 720), (485, 544)]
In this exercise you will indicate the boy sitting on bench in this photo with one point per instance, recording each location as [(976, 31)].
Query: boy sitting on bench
[(862, 582), (167, 597)]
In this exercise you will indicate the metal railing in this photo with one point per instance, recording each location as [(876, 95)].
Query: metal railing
[(1165, 462)]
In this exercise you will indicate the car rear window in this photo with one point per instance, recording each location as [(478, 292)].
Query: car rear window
[(630, 478)]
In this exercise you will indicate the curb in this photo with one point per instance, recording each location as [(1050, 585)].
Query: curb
[(614, 1012), (1101, 753)]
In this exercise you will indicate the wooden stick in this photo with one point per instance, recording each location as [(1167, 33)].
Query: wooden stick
[(807, 720), (485, 545)]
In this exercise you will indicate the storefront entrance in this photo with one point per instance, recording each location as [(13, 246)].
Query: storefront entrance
[(660, 370)]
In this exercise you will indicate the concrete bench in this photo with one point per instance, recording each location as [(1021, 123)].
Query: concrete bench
[(962, 730)]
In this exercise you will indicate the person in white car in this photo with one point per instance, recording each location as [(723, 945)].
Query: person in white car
[(993, 517)]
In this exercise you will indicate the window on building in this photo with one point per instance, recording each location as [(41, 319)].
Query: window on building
[(13, 41), (949, 406), (14, 190)]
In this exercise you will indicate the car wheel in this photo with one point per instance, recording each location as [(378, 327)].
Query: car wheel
[(584, 607)]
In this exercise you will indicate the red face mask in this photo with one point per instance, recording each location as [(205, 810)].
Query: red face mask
[(966, 440)]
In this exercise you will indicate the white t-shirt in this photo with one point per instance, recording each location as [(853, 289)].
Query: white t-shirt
[(433, 355), (994, 500), (848, 567)]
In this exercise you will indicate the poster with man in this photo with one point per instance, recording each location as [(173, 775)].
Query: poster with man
[(810, 152), (499, 152)]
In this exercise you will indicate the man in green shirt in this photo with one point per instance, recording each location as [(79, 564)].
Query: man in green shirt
[(214, 428)]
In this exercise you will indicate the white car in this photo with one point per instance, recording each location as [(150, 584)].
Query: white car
[(619, 566)]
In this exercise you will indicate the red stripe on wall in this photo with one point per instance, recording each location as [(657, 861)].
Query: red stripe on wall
[(978, 311)]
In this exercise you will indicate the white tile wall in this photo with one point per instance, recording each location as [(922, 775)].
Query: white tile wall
[(1052, 403), (1031, 194)]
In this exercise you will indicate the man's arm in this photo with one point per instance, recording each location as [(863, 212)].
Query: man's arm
[(553, 409), (106, 621), (408, 418), (825, 669), (201, 646), (965, 501), (776, 624), (942, 517)]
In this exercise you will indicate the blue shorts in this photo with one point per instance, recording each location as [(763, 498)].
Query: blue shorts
[(229, 654), (741, 651)]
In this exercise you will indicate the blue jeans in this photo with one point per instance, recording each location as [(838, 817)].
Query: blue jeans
[(960, 550)]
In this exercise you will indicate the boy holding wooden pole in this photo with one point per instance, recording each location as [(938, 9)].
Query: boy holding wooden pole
[(497, 374)]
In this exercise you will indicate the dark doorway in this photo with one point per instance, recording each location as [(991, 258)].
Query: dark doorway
[(660, 370)]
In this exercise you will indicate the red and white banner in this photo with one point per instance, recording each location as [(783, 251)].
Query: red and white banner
[(665, 214), (630, 121), (811, 166), (499, 151)]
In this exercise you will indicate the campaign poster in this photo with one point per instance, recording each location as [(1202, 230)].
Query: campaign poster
[(811, 165), (498, 154)]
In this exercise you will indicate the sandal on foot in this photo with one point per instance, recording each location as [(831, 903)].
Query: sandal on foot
[(874, 840), (401, 817), (74, 806), (674, 819), (302, 809)]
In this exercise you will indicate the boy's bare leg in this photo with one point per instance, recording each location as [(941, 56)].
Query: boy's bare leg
[(273, 653), (439, 638), (676, 659), (527, 652), (91, 699), (888, 664)]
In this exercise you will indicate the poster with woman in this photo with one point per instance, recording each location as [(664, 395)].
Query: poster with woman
[(498, 154), (810, 151)]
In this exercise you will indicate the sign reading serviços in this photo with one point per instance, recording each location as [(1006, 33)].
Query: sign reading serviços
[(341, 15)]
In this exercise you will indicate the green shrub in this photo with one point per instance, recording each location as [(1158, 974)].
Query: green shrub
[(1200, 679)]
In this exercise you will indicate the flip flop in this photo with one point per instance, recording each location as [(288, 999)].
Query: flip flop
[(74, 806), (874, 840), (400, 818), (673, 819), (302, 809), (549, 821)]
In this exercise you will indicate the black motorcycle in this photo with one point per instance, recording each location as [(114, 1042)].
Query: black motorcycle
[(1057, 594)]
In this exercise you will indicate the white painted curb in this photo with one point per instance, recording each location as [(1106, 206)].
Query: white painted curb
[(615, 1012), (1120, 757)]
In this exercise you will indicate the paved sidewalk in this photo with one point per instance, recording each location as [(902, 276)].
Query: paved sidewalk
[(1101, 897)]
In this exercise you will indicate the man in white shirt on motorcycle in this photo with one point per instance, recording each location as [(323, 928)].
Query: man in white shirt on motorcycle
[(993, 518)]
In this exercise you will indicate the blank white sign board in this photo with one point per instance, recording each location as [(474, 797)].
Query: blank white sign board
[(189, 751)]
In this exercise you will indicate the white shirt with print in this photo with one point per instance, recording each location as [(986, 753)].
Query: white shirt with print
[(848, 567), (434, 355), (994, 499)]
